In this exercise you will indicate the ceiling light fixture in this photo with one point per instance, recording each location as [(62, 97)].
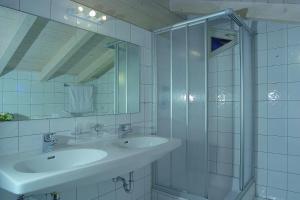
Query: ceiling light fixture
[(80, 9), (104, 17), (92, 13)]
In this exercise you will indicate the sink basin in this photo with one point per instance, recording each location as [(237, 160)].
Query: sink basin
[(60, 160), (141, 142)]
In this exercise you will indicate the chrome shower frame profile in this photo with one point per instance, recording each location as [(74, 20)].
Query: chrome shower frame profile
[(204, 20)]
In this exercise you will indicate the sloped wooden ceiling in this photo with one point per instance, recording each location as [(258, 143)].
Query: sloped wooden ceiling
[(272, 10), (154, 14), (148, 14)]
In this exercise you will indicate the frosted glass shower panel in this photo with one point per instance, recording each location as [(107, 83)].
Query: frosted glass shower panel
[(163, 56), (179, 107), (196, 138)]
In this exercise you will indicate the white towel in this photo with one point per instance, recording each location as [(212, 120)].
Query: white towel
[(80, 99)]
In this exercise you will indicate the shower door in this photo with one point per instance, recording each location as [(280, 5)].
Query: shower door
[(181, 109), (205, 98)]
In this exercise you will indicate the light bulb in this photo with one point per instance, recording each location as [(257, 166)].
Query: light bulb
[(104, 18), (80, 9), (92, 13)]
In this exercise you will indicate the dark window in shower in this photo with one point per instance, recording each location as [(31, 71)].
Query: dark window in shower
[(218, 42)]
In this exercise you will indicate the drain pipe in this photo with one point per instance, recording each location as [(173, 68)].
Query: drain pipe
[(126, 186)]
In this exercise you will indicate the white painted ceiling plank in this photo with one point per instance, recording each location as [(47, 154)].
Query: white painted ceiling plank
[(102, 64), (279, 12), (64, 53), (16, 41), (147, 14)]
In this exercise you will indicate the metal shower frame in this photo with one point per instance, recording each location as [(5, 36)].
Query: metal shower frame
[(204, 19)]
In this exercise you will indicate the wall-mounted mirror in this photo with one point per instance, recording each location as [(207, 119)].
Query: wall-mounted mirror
[(50, 70)]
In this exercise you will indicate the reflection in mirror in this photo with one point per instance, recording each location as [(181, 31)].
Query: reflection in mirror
[(50, 70)]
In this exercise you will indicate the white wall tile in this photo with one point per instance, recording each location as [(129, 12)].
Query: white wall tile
[(59, 11), (108, 27), (294, 183), (277, 144), (275, 26), (293, 146), (261, 191), (262, 160), (294, 54), (277, 127), (262, 176), (87, 25), (36, 7), (277, 39), (277, 180), (261, 27), (30, 143), (293, 91), (276, 193), (277, 56), (109, 196), (294, 109), (8, 129), (277, 109), (294, 72), (146, 57), (293, 36), (262, 58), (277, 74), (138, 36), (63, 124), (294, 127), (87, 192), (122, 30), (33, 127), (262, 41), (293, 164), (293, 195), (277, 162), (15, 4), (277, 92), (8, 146)]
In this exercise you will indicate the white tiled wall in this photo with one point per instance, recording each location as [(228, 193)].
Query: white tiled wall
[(20, 136), (278, 114)]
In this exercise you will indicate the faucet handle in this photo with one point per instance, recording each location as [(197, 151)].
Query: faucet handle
[(125, 128), (97, 127)]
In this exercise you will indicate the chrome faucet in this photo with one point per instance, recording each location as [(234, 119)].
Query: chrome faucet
[(124, 130), (49, 141)]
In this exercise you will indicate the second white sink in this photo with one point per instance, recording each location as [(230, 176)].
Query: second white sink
[(141, 142), (60, 160)]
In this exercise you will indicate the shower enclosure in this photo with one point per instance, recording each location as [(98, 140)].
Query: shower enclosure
[(205, 97)]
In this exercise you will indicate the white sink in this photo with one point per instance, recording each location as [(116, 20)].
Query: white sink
[(141, 142), (60, 160), (29, 172)]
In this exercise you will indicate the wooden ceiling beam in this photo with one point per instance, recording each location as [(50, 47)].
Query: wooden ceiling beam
[(278, 12), (23, 39), (101, 65), (65, 53)]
